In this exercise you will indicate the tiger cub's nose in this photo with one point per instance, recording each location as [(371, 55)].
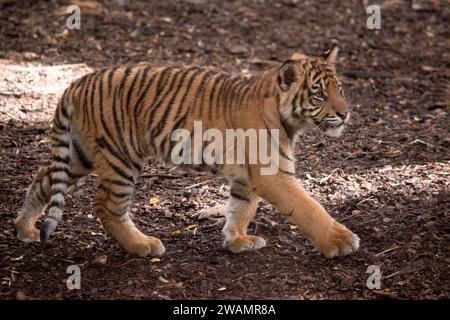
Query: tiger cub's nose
[(342, 115)]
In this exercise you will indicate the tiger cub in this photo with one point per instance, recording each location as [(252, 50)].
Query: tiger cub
[(112, 121)]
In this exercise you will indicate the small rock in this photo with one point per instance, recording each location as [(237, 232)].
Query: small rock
[(168, 214), (102, 260)]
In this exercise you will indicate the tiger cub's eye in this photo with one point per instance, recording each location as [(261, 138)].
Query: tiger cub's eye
[(319, 95)]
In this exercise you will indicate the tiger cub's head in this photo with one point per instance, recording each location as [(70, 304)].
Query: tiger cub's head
[(311, 93)]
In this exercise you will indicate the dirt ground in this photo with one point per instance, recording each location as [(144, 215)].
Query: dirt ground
[(387, 177)]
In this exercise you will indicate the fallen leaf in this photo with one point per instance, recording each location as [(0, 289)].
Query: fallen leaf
[(154, 201), (222, 31), (154, 260), (65, 34), (166, 19), (222, 289), (428, 68), (212, 212), (191, 227), (17, 259)]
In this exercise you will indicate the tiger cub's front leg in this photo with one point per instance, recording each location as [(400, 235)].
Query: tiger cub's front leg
[(240, 211), (111, 207), (114, 196), (328, 236)]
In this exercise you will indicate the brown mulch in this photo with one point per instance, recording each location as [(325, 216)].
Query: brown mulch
[(387, 178)]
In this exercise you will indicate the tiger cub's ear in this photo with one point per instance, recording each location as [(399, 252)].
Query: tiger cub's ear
[(287, 74), (330, 55)]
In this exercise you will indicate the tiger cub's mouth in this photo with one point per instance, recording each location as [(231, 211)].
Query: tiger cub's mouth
[(333, 126), (334, 130)]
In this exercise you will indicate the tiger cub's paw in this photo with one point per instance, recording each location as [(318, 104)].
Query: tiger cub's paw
[(26, 231), (245, 243), (338, 241), (145, 246)]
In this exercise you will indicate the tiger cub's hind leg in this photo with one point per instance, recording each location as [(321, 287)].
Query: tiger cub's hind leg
[(239, 213), (36, 199), (39, 194), (113, 198)]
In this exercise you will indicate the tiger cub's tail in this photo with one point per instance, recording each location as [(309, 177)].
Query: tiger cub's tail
[(60, 167)]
